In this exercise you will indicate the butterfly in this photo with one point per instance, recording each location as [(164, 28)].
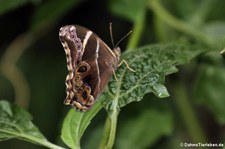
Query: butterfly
[(91, 64)]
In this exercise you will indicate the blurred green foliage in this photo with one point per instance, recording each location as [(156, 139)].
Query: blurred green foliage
[(33, 70)]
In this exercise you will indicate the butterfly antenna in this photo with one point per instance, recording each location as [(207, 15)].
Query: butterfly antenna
[(111, 35), (123, 38)]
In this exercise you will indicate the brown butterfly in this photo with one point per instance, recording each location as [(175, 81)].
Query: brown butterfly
[(90, 62)]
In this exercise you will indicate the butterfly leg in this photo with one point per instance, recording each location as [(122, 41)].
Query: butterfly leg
[(115, 76), (128, 67)]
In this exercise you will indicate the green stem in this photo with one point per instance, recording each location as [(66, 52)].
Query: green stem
[(110, 127), (105, 133), (164, 15), (187, 114), (112, 134), (44, 143), (137, 31), (51, 146), (110, 131)]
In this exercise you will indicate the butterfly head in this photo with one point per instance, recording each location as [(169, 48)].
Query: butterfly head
[(117, 52)]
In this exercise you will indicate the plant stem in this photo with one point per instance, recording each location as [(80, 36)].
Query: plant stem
[(110, 128), (137, 31), (52, 146), (110, 131), (180, 25), (105, 133), (187, 114), (44, 143)]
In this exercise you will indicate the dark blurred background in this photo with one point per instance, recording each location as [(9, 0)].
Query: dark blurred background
[(33, 68)]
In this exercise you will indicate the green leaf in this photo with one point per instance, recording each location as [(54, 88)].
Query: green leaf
[(16, 123), (75, 124), (133, 8), (148, 127), (151, 64)]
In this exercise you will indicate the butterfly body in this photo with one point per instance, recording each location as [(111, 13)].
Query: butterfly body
[(91, 64)]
